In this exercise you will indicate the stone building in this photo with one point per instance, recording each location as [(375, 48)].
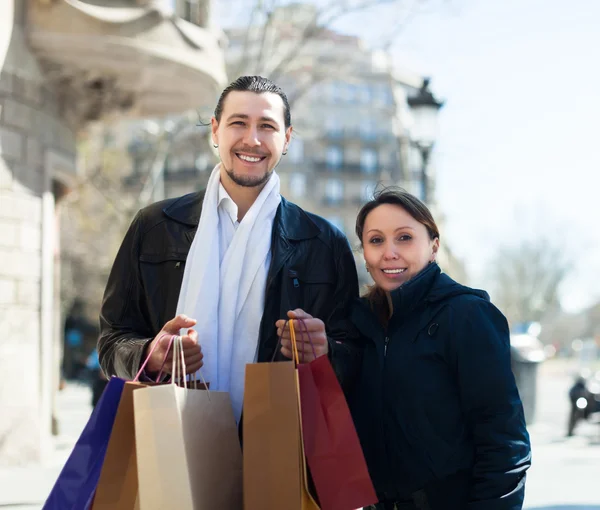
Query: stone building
[(64, 63)]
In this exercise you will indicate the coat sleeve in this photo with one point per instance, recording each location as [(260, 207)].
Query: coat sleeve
[(124, 327), (341, 334), (492, 405)]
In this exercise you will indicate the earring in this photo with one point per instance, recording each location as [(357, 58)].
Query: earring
[(285, 153), (215, 146), (367, 267)]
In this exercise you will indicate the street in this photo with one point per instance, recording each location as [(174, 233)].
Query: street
[(564, 475)]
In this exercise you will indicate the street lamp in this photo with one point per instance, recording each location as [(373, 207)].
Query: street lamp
[(423, 133)]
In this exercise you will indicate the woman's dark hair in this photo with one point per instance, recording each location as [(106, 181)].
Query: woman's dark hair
[(413, 206), (397, 196), (258, 85)]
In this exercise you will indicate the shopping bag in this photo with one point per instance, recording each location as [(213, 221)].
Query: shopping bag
[(187, 446), (76, 483), (275, 475), (118, 484), (331, 445)]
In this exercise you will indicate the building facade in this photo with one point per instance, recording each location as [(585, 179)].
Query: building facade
[(64, 63)]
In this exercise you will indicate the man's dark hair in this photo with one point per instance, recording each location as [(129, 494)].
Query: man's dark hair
[(258, 85)]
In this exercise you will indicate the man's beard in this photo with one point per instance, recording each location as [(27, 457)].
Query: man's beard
[(249, 181)]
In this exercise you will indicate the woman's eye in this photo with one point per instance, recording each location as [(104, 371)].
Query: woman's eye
[(404, 237), (375, 240)]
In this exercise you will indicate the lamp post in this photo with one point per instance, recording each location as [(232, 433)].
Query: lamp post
[(423, 133)]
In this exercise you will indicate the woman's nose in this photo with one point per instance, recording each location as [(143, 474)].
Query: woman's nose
[(390, 253)]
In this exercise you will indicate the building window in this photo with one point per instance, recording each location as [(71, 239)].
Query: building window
[(336, 221), (365, 94), (296, 151), (368, 129), (298, 185), (368, 161), (333, 127), (334, 191), (334, 157)]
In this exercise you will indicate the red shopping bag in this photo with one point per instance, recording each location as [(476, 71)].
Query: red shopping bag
[(332, 448)]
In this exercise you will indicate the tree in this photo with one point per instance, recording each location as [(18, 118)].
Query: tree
[(281, 40), (527, 279)]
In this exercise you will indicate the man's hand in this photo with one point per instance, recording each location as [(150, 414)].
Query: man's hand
[(315, 327), (191, 349)]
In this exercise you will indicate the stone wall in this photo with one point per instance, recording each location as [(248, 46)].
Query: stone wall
[(32, 140)]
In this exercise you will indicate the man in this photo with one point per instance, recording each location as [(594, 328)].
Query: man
[(224, 267)]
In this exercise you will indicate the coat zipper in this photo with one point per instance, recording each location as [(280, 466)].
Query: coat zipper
[(383, 417)]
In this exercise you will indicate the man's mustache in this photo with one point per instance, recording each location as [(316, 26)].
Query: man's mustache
[(251, 150)]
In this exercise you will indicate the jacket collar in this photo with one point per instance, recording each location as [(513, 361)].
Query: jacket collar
[(186, 209), (410, 295), (291, 222)]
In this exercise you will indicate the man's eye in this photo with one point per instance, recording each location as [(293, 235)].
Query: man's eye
[(237, 123), (267, 126)]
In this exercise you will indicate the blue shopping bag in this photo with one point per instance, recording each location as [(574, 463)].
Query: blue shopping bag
[(74, 489)]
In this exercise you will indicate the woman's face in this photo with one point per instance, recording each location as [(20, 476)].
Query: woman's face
[(396, 246)]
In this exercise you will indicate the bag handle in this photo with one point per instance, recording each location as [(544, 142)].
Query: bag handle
[(137, 376), (290, 322), (310, 340), (178, 368)]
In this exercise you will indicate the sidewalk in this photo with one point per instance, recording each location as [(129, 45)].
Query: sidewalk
[(26, 488)]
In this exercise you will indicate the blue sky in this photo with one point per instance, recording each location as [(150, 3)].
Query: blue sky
[(516, 156)]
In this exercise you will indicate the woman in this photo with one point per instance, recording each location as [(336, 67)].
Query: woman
[(435, 405)]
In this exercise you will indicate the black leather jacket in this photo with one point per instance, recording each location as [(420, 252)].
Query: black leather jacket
[(312, 268)]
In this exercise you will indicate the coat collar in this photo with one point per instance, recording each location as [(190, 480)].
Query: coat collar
[(291, 222)]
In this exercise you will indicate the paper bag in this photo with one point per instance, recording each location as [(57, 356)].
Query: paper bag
[(271, 431), (331, 445), (118, 485), (188, 449)]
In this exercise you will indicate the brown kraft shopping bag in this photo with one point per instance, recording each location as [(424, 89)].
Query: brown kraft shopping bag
[(118, 485), (275, 476)]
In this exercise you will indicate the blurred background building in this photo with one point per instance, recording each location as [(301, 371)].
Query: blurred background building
[(64, 64)]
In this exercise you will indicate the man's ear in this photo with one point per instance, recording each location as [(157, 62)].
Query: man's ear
[(214, 127), (288, 138)]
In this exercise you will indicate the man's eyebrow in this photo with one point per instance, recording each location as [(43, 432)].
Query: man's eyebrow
[(244, 116)]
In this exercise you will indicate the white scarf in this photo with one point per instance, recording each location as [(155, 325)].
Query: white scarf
[(228, 299)]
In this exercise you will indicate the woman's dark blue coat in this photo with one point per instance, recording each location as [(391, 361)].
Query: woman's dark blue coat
[(435, 405)]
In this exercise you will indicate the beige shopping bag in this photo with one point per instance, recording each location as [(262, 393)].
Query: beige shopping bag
[(188, 449)]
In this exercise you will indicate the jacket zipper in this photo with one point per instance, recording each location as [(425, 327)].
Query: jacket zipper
[(383, 418)]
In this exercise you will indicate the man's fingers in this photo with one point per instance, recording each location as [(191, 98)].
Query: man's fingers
[(191, 338), (194, 367), (286, 352), (179, 322), (298, 313)]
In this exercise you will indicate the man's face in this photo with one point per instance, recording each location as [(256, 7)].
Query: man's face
[(251, 136)]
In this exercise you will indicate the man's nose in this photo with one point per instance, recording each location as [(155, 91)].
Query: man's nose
[(251, 137)]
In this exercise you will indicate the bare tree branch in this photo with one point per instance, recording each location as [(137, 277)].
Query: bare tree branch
[(528, 279)]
